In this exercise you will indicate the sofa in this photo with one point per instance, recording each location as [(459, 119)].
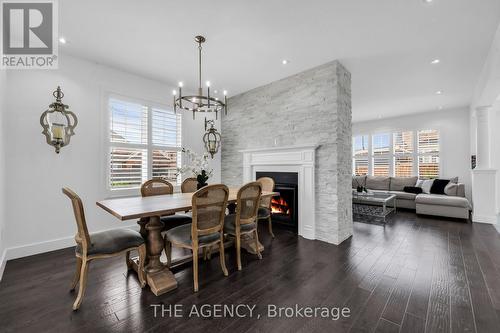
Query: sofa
[(452, 204)]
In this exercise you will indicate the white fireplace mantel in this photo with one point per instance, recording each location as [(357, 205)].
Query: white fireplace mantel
[(300, 159)]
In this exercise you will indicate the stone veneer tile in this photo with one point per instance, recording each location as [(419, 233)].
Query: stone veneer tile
[(312, 107)]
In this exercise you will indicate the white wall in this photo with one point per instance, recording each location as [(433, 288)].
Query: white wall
[(37, 210), (453, 126), (3, 136)]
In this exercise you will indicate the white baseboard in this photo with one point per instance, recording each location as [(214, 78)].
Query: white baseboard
[(41, 247), (3, 262), (493, 219)]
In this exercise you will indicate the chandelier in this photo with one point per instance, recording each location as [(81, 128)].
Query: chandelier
[(199, 102)]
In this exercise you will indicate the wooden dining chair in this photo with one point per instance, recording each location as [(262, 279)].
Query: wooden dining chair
[(100, 245), (156, 186), (264, 212), (244, 221), (209, 208), (189, 185)]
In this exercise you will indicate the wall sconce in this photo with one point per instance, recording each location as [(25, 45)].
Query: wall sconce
[(58, 123), (211, 138)]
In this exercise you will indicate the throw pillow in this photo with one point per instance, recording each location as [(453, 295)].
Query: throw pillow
[(413, 189), (451, 189), (454, 180), (419, 183), (439, 185), (426, 186)]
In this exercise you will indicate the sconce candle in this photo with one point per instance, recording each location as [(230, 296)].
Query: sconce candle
[(58, 122), (57, 131)]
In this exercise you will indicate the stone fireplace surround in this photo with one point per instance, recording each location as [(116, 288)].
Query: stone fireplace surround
[(300, 159)]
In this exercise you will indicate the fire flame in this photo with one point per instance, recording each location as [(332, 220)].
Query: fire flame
[(280, 206)]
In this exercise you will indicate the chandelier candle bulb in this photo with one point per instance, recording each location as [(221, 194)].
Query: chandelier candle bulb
[(208, 94), (225, 102), (174, 93)]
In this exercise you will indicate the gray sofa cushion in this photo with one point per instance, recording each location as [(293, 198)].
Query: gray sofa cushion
[(451, 189), (182, 234), (358, 181), (112, 241), (230, 225), (378, 183), (399, 183), (442, 200)]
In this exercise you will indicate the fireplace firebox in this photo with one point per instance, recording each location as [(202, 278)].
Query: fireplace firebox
[(285, 206)]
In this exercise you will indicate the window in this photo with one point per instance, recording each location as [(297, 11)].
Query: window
[(428, 154), (360, 155), (403, 154), (399, 154), (381, 144), (145, 142)]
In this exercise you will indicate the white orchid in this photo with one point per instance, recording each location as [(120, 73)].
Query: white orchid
[(195, 164)]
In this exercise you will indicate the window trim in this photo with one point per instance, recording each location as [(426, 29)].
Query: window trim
[(108, 145), (415, 154)]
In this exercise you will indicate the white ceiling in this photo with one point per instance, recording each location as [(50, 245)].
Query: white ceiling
[(386, 44)]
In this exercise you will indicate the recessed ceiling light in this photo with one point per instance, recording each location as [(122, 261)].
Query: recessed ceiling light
[(62, 40), (216, 91), (440, 107), (427, 1), (435, 61), (284, 61), (439, 92)]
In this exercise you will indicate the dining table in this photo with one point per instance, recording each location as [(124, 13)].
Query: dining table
[(149, 210)]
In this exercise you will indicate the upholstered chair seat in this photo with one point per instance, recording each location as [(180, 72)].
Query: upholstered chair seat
[(112, 241), (230, 225), (182, 235), (263, 212)]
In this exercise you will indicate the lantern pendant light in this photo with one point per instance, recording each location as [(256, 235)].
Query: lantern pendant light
[(212, 138), (58, 122)]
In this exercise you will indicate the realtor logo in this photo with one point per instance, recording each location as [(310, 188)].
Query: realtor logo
[(29, 34)]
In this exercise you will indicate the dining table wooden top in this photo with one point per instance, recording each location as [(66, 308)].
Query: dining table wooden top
[(129, 208)]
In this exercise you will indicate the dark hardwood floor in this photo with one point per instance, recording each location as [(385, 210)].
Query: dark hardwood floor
[(415, 274)]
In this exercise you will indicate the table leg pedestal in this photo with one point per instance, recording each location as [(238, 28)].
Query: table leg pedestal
[(159, 282), (159, 278)]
